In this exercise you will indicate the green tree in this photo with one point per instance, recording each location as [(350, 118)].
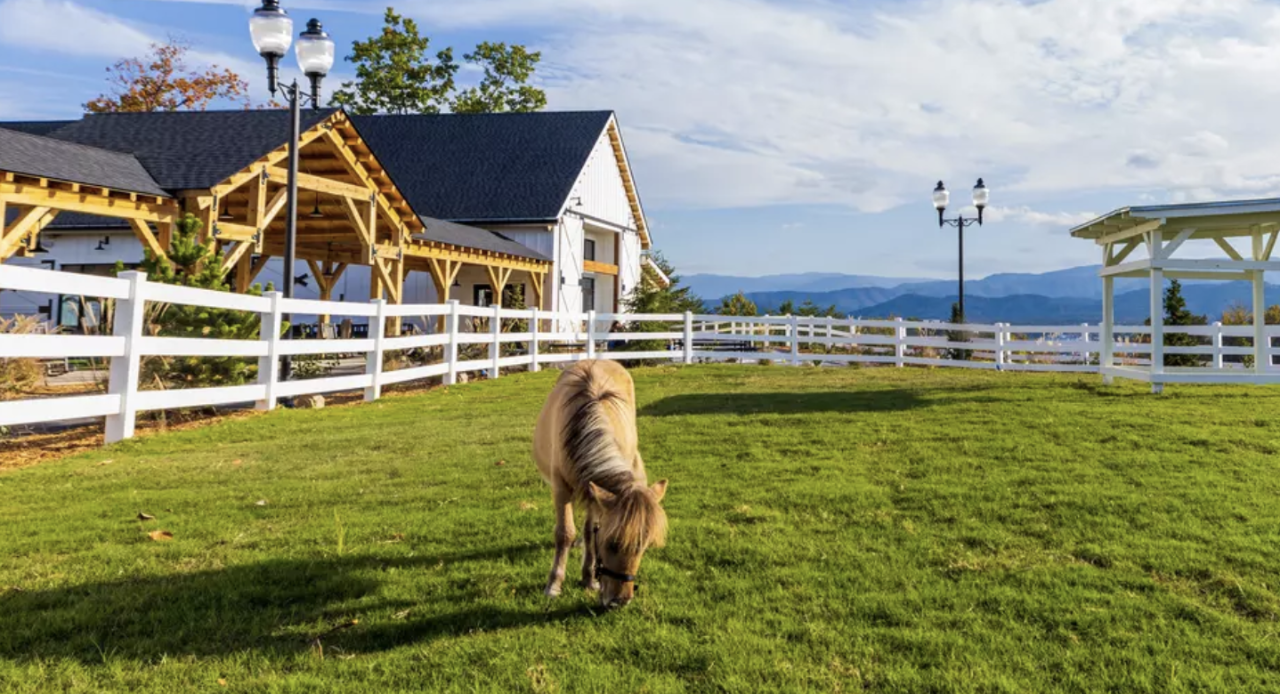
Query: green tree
[(787, 308), (194, 264), (651, 295), (737, 305), (505, 87), (396, 74), (1176, 313), (957, 318), (1239, 315)]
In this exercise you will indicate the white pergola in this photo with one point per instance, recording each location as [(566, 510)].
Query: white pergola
[(1162, 230)]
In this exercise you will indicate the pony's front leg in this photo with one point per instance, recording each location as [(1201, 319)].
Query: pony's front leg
[(563, 501), (589, 550)]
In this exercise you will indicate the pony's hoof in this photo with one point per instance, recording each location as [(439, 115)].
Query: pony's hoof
[(552, 591), (589, 584)]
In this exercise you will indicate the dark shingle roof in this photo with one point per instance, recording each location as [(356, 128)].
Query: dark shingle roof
[(35, 127), (45, 157), (191, 149), (441, 231), (501, 167)]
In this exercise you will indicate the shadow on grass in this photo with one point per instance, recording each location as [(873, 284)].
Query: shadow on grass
[(786, 403), (271, 607)]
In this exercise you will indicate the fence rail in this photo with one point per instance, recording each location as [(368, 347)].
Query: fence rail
[(494, 339)]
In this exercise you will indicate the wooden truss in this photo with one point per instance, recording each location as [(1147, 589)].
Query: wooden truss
[(39, 200)]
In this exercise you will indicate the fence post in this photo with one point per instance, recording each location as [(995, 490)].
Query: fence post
[(688, 337), (269, 365), (795, 340), (495, 346), (1000, 333), (373, 359), (533, 342), (899, 344), (130, 315), (1217, 345), (1084, 335), (451, 347), (591, 334)]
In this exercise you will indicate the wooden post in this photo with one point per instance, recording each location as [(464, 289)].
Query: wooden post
[(688, 337), (269, 365), (899, 345), (373, 359), (1217, 345), (129, 318), (591, 334), (1157, 324), (1106, 359), (1084, 337), (534, 366), (495, 346), (1261, 345), (999, 346), (795, 341), (451, 347)]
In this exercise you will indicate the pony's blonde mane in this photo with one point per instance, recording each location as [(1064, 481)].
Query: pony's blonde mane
[(635, 520), (589, 439)]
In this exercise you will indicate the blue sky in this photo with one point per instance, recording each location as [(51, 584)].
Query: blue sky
[(806, 135)]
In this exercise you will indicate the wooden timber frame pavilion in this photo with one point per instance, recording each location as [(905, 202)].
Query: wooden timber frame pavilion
[(151, 168), (1161, 231)]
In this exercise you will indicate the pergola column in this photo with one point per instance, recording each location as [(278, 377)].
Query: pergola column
[(1154, 243), (1107, 358)]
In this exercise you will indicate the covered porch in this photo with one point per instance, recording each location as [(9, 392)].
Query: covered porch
[(1167, 235)]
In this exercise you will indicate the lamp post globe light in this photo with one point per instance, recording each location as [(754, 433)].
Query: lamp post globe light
[(941, 197), (271, 29)]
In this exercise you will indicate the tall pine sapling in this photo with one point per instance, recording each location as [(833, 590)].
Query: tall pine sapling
[(195, 264), (652, 296)]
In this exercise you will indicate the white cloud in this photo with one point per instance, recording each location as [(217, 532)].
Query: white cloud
[(1027, 215), (748, 102)]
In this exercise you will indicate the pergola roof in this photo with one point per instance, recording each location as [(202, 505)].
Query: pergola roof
[(44, 157), (1241, 213)]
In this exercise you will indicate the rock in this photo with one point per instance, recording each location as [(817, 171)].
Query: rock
[(309, 402)]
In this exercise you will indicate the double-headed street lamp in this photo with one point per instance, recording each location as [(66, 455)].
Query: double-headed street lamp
[(940, 199), (271, 29)]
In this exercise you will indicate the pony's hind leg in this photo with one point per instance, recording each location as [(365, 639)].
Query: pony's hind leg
[(589, 550), (563, 501)]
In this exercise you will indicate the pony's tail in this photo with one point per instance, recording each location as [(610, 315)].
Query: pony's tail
[(588, 437)]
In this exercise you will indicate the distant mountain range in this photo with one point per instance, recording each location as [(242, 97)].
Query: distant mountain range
[(1073, 295)]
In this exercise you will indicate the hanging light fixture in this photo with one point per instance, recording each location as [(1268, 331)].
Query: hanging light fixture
[(315, 212), (226, 213)]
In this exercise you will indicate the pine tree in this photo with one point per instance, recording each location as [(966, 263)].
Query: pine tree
[(737, 305), (1176, 313), (194, 264), (651, 295)]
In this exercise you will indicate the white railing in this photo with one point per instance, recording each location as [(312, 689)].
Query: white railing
[(684, 338)]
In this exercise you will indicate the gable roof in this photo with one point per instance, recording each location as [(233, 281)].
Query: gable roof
[(440, 231), (188, 149), (44, 157), (35, 127), (477, 168)]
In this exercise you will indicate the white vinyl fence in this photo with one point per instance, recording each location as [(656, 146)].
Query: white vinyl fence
[(492, 333)]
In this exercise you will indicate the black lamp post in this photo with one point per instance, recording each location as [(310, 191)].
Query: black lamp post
[(272, 32), (940, 199)]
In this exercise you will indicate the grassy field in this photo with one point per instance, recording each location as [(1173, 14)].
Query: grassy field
[(832, 530)]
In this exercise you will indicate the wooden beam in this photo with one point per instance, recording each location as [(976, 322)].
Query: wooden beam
[(1129, 247), (319, 184), (229, 231), (362, 230), (143, 232), (22, 226), (599, 268), (1228, 249), (66, 201), (1136, 230), (256, 268), (233, 259), (1271, 245), (1176, 243), (274, 156), (535, 283)]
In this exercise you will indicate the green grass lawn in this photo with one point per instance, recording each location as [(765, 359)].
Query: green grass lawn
[(831, 530)]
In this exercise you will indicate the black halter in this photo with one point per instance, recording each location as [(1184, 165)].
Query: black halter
[(601, 569)]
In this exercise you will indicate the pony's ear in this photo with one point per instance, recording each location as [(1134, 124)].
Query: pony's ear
[(599, 494), (659, 489)]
